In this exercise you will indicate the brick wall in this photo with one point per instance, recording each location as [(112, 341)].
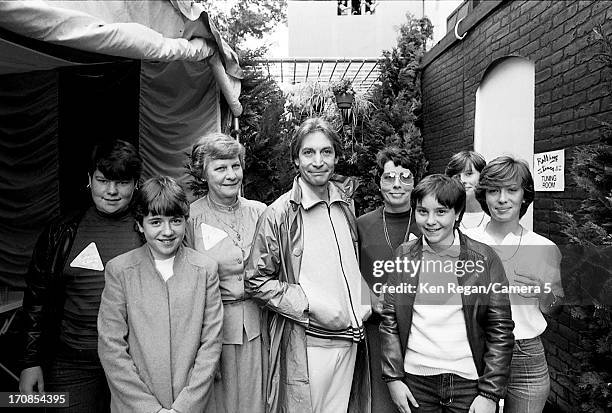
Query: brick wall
[(571, 100)]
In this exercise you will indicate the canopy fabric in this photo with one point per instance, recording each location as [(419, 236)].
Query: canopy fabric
[(185, 69), (28, 166), (24, 59), (74, 24), (176, 115), (136, 29)]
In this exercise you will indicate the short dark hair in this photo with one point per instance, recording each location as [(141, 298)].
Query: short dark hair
[(448, 191), (458, 162), (117, 160), (397, 155), (312, 125), (214, 146), (503, 171), (160, 195)]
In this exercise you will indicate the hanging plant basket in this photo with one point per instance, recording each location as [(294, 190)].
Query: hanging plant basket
[(317, 102), (344, 100), (347, 115)]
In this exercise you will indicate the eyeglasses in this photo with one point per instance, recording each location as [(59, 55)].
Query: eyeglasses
[(406, 178)]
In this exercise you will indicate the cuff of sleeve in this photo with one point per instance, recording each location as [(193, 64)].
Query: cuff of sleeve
[(26, 364), (489, 396), (388, 379)]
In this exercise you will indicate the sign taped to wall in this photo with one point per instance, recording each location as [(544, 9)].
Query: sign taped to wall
[(549, 171)]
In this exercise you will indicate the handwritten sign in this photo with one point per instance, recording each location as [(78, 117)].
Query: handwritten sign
[(549, 170)]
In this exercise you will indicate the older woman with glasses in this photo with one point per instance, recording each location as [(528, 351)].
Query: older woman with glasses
[(380, 233), (222, 225), (532, 264)]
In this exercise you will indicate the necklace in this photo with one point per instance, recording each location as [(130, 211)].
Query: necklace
[(234, 232), (517, 247), (221, 206), (387, 231), (481, 219)]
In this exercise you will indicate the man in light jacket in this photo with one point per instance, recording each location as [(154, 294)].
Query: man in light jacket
[(304, 268)]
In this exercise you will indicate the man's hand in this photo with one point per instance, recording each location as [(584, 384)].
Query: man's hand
[(377, 302), (31, 378), (401, 395), (482, 405)]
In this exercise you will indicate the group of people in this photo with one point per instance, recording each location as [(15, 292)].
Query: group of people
[(145, 303)]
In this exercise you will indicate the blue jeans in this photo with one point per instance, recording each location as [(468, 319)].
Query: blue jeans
[(442, 393), (529, 382), (79, 373)]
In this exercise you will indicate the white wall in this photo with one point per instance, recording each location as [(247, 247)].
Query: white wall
[(315, 29), (504, 120), (438, 11)]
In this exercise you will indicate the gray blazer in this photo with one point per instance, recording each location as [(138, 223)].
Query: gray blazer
[(160, 342)]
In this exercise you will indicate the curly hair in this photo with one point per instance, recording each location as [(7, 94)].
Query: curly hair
[(395, 154), (210, 147)]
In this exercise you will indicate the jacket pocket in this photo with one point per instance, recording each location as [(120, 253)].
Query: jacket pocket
[(296, 361)]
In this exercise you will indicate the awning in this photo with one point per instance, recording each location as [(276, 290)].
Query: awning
[(363, 72), (176, 30)]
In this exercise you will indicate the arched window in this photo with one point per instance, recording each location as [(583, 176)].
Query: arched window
[(505, 110)]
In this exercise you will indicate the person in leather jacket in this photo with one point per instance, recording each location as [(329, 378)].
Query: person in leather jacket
[(446, 332), (66, 278)]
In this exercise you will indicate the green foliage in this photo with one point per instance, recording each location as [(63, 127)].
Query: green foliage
[(341, 87), (247, 18), (587, 274), (390, 115), (265, 132), (396, 120)]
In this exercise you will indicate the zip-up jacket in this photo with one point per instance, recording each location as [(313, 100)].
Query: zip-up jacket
[(272, 278), (44, 295), (488, 317)]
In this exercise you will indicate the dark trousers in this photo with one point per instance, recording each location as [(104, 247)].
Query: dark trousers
[(442, 393), (381, 399), (80, 374)]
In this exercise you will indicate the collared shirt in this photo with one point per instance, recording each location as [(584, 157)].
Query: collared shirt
[(526, 252)]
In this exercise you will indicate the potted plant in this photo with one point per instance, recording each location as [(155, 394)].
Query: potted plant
[(344, 93)]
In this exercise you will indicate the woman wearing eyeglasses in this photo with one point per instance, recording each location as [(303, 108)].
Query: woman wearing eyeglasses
[(380, 233)]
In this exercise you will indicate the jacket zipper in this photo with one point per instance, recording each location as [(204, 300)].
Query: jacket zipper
[(170, 337), (342, 266)]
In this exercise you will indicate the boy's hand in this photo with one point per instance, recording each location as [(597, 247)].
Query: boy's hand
[(401, 395), (482, 405), (31, 378)]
